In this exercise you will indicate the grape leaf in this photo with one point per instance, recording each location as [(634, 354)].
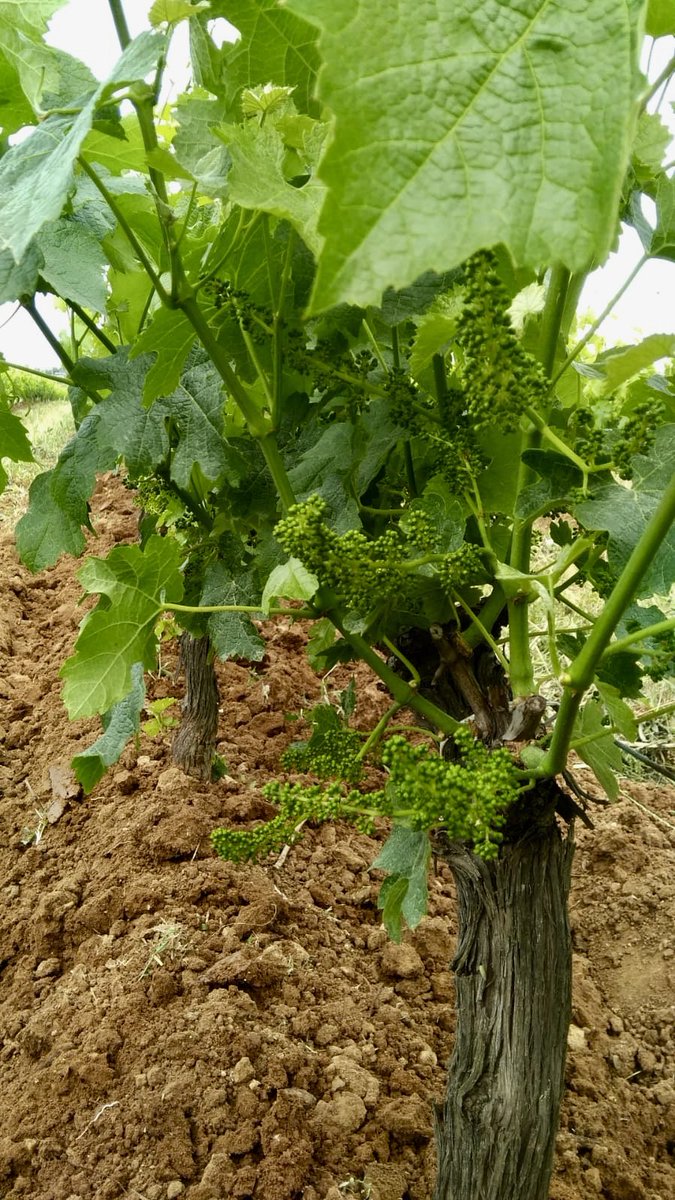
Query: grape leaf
[(660, 18), (50, 78), (601, 753), (661, 242), (558, 477), (435, 330), (289, 581), (120, 723), (619, 713), (14, 442), (494, 109), (275, 45), (37, 174), (403, 895), (31, 18), (170, 336), (622, 363), (136, 434), (624, 512), (19, 279), (74, 263), (233, 634), (197, 115), (256, 179), (134, 585), (58, 506), (173, 11), (411, 301)]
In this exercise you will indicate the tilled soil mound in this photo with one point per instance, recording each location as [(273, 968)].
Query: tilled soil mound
[(173, 1025)]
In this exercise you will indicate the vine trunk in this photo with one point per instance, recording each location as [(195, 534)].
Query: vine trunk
[(496, 1131), (195, 740)]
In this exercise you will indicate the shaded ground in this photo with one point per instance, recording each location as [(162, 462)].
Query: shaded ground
[(176, 1026)]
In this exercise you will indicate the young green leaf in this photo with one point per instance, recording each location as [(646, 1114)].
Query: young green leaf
[(405, 855), (274, 45), (660, 18), (134, 585), (169, 336), (173, 11), (289, 581), (120, 723), (256, 179), (600, 752)]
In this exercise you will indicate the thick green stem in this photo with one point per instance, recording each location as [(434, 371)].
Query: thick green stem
[(582, 670), (40, 374), (93, 327), (120, 22), (638, 635), (61, 354), (520, 653), (493, 606), (576, 351), (405, 695)]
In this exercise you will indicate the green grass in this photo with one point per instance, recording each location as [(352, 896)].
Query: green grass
[(49, 424)]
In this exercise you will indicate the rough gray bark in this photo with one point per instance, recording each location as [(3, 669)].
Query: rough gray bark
[(496, 1131), (195, 740)]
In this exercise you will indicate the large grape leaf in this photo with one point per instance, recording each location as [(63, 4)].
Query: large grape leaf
[(31, 18), (135, 433), (465, 123), (134, 584), (49, 78), (196, 407), (37, 175), (622, 363), (58, 500), (275, 46), (625, 511), (119, 724)]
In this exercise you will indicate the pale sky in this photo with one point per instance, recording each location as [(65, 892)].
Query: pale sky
[(647, 307)]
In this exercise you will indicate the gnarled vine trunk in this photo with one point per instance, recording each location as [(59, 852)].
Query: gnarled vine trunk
[(195, 740), (496, 1131)]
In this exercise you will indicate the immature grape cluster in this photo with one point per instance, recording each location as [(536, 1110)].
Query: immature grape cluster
[(467, 797), (460, 567), (636, 434), (618, 442), (331, 750), (500, 379), (357, 568), (254, 319), (297, 803)]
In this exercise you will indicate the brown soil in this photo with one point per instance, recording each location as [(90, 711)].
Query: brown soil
[(173, 1025)]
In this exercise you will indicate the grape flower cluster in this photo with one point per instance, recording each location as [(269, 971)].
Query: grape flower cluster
[(467, 798), (499, 378)]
